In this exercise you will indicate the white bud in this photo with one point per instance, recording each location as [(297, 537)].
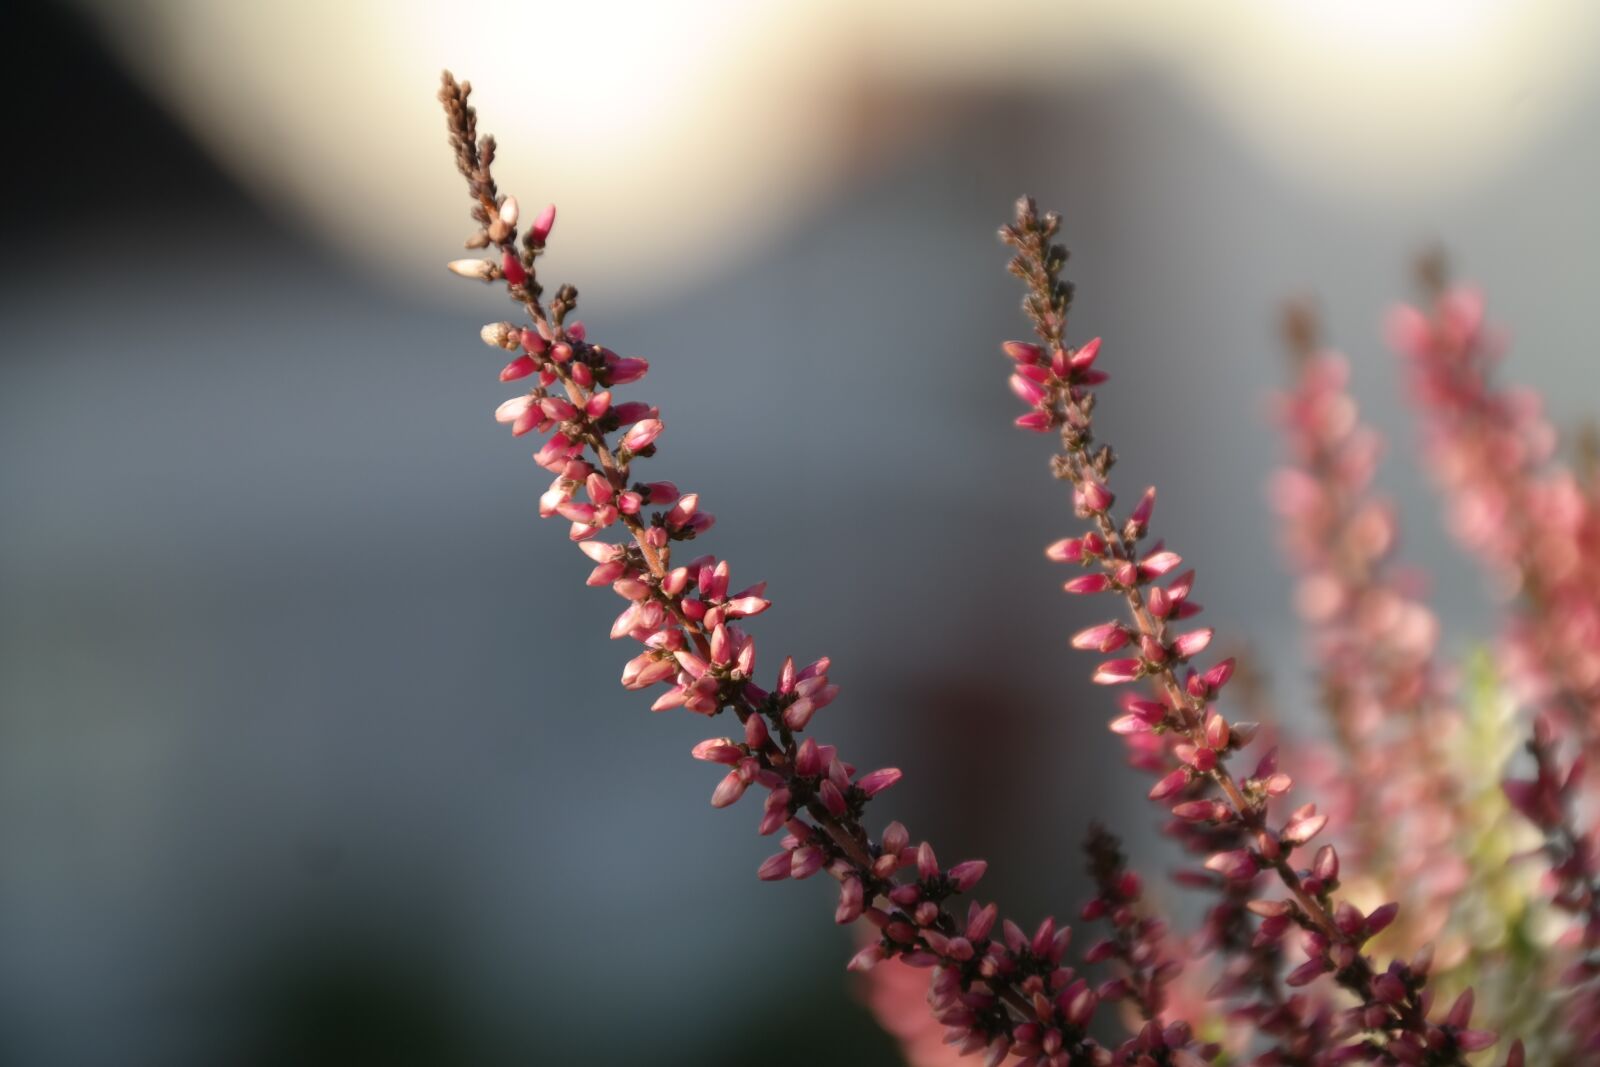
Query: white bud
[(498, 335), (481, 269), (509, 211)]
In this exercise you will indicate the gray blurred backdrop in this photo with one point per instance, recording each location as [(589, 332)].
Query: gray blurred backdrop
[(311, 749)]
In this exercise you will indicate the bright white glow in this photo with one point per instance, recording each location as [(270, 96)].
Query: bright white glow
[(685, 131), (1414, 27)]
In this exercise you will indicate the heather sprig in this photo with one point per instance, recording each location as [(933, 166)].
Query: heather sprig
[(1548, 800), (994, 987), (1535, 524), (1138, 941), (1281, 920), (1373, 644), (1391, 1019), (1532, 521)]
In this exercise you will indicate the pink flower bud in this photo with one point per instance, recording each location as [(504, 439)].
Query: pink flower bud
[(543, 224), (1303, 827), (512, 409), (622, 371), (808, 759), (1158, 564), (1028, 391), (1093, 496), (512, 267), (642, 434), (966, 874), (876, 782), (1118, 671), (1083, 358), (729, 790), (1023, 351), (1236, 865), (1107, 637), (1141, 511), (520, 367), (1191, 643)]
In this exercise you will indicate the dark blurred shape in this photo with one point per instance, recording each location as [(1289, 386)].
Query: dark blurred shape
[(335, 1001), (86, 144)]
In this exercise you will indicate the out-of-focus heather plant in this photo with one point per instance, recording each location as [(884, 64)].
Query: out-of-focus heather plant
[(1435, 902)]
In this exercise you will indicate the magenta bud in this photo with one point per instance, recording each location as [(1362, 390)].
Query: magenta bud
[(729, 790), (1085, 355), (808, 759), (621, 371), (1107, 637), (1158, 564), (879, 780), (1169, 785), (1088, 583), (1381, 917), (805, 861), (718, 750), (851, 901), (832, 799), (1095, 497), (1303, 828), (1326, 865), (1192, 643), (1023, 351), (520, 367), (1143, 509), (966, 874), (1234, 865), (543, 224), (642, 434)]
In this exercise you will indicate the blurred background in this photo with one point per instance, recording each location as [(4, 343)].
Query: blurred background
[(311, 750)]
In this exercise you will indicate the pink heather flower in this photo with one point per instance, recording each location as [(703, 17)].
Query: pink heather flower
[(1202, 740), (1373, 645), (642, 434), (544, 224), (993, 988), (1534, 523)]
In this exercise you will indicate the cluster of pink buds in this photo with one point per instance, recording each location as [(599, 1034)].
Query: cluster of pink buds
[(1298, 968), (1535, 524), (1548, 801), (1057, 383), (1138, 942), (994, 988), (1373, 644)]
